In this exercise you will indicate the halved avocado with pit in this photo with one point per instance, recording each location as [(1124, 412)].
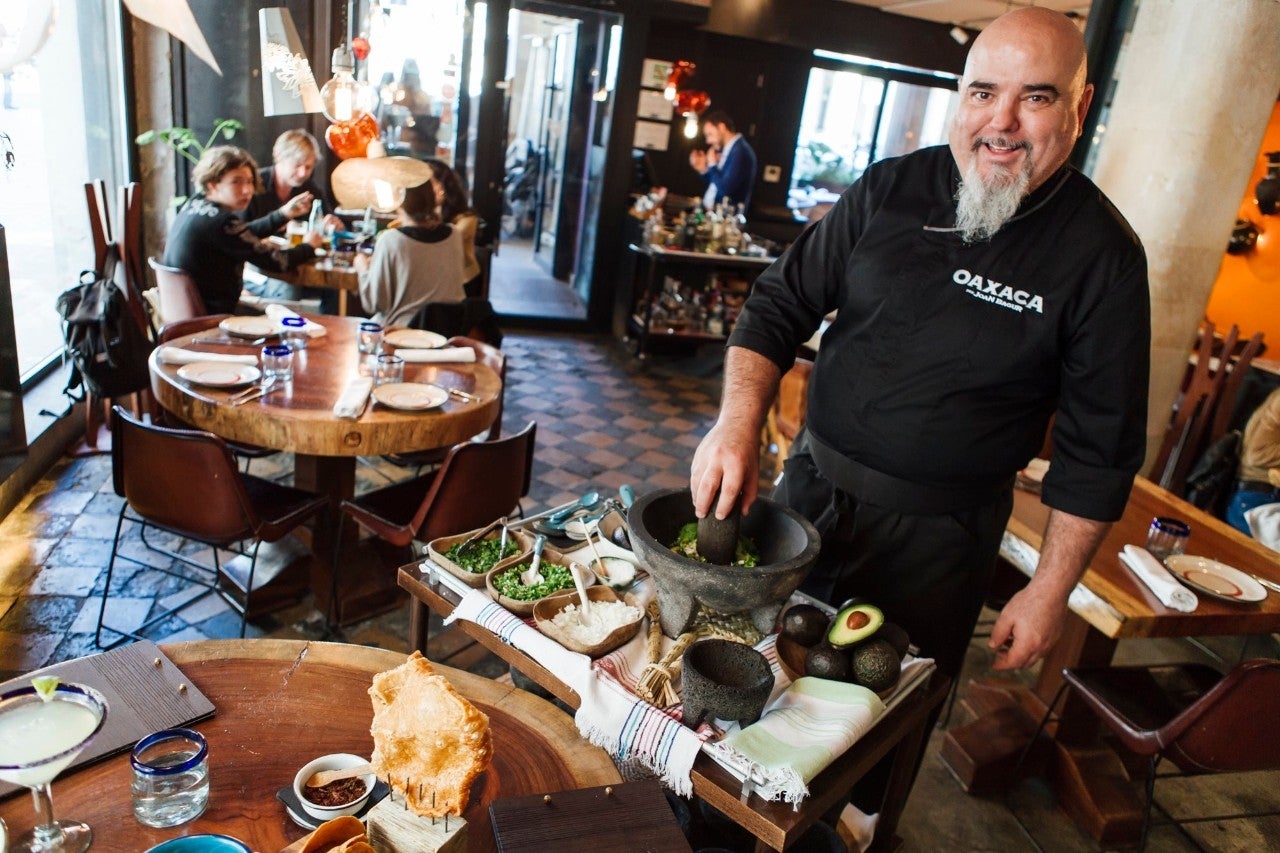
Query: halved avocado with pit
[(853, 624)]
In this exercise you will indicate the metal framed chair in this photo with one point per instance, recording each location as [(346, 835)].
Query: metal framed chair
[(1200, 720), (477, 482), (184, 482)]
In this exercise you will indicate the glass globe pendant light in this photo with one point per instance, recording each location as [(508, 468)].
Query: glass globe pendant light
[(344, 97)]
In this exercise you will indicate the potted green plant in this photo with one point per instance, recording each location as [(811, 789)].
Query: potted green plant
[(184, 141)]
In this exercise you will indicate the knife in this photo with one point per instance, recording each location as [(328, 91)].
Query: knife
[(230, 342), (1271, 585)]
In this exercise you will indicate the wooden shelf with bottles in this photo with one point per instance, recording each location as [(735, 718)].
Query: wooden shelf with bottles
[(656, 263)]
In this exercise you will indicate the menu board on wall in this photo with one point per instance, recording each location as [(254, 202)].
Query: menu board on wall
[(653, 74), (653, 105)]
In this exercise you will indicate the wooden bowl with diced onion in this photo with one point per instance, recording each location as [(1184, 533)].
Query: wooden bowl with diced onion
[(438, 549), (547, 609)]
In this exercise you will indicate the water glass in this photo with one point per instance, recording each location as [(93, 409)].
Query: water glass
[(370, 338), (277, 363), (294, 332), (390, 369), (170, 777), (1167, 536)]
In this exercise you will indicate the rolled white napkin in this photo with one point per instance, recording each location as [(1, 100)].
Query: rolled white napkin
[(178, 355), (444, 355), (352, 402), (1157, 578), (279, 312)]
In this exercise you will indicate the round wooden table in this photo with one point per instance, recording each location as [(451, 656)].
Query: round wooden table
[(281, 703), (300, 419)]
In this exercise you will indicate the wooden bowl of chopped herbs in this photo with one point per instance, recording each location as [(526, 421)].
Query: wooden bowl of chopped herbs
[(507, 589), (474, 561)]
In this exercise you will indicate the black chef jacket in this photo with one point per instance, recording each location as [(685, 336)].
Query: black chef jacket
[(947, 360)]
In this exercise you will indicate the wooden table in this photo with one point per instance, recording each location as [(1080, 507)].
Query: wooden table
[(1109, 604), (300, 419), (281, 703), (776, 825), (321, 273)]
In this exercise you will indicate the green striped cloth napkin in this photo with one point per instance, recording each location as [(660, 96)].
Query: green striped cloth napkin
[(812, 722)]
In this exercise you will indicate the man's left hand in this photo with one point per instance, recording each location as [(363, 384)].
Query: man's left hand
[(1027, 628)]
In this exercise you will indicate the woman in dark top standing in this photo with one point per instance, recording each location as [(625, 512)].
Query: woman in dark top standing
[(208, 239)]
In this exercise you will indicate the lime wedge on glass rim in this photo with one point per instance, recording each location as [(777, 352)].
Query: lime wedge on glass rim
[(45, 685)]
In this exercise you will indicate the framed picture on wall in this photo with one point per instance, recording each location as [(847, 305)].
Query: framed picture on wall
[(653, 105), (652, 136), (653, 74)]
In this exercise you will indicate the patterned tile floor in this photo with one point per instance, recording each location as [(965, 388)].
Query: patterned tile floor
[(603, 420)]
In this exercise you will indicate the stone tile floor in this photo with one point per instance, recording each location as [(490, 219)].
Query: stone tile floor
[(603, 420)]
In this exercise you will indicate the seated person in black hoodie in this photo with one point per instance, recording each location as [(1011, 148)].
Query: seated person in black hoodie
[(211, 242)]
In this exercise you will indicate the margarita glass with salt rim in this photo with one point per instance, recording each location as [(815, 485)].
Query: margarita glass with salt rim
[(39, 738)]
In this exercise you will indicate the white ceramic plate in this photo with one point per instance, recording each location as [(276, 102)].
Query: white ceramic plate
[(1215, 579), (414, 339), (250, 327), (410, 396), (218, 374)]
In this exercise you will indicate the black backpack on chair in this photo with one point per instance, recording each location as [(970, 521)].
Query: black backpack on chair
[(1212, 478), (107, 343)]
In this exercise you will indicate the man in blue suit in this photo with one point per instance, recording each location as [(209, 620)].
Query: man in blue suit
[(728, 164)]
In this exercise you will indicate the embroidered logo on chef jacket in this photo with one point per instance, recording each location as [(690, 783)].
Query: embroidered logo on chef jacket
[(997, 293)]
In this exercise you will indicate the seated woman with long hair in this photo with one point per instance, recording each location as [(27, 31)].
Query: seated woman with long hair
[(211, 242), (456, 210), (421, 261)]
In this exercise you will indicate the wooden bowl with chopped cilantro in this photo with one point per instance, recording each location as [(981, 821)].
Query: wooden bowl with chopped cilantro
[(476, 561), (504, 583)]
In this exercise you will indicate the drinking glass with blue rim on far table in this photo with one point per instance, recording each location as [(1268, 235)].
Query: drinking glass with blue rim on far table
[(1167, 536)]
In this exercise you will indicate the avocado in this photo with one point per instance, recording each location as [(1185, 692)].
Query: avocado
[(804, 624), (823, 661), (897, 637), (875, 665), (854, 623)]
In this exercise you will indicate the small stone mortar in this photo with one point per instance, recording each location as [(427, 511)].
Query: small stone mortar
[(787, 543), (724, 680)]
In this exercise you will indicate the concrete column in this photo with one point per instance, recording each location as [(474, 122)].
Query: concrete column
[(1195, 90)]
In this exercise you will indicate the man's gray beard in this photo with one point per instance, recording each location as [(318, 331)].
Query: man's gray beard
[(982, 208)]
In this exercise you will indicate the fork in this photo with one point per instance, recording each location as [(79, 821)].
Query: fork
[(464, 396), (241, 396)]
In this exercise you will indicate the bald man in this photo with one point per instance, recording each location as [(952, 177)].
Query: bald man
[(982, 288)]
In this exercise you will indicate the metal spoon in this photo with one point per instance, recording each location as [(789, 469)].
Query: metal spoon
[(587, 501), (531, 575)]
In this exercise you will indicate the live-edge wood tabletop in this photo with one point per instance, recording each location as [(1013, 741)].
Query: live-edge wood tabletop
[(281, 703)]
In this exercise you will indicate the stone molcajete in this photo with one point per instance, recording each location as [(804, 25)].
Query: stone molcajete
[(724, 680), (787, 543)]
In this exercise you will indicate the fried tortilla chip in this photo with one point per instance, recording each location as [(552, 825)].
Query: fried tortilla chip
[(429, 743), (332, 835)]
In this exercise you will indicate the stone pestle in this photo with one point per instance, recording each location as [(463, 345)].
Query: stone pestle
[(718, 538)]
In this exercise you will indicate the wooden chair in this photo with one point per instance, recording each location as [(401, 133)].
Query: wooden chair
[(106, 252), (786, 416), (478, 482), (1190, 714), (1196, 421), (184, 482), (487, 355), (180, 299)]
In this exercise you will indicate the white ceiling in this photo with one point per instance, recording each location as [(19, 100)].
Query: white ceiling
[(974, 14)]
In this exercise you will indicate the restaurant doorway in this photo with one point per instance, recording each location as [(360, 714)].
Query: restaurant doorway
[(561, 61)]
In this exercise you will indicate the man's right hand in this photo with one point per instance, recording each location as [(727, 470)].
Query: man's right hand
[(726, 462), (698, 159), (297, 206)]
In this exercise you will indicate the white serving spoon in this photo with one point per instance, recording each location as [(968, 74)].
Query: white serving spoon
[(531, 575), (584, 611), (599, 563)]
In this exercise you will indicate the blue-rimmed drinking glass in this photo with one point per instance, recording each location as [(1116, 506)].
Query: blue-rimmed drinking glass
[(170, 777)]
